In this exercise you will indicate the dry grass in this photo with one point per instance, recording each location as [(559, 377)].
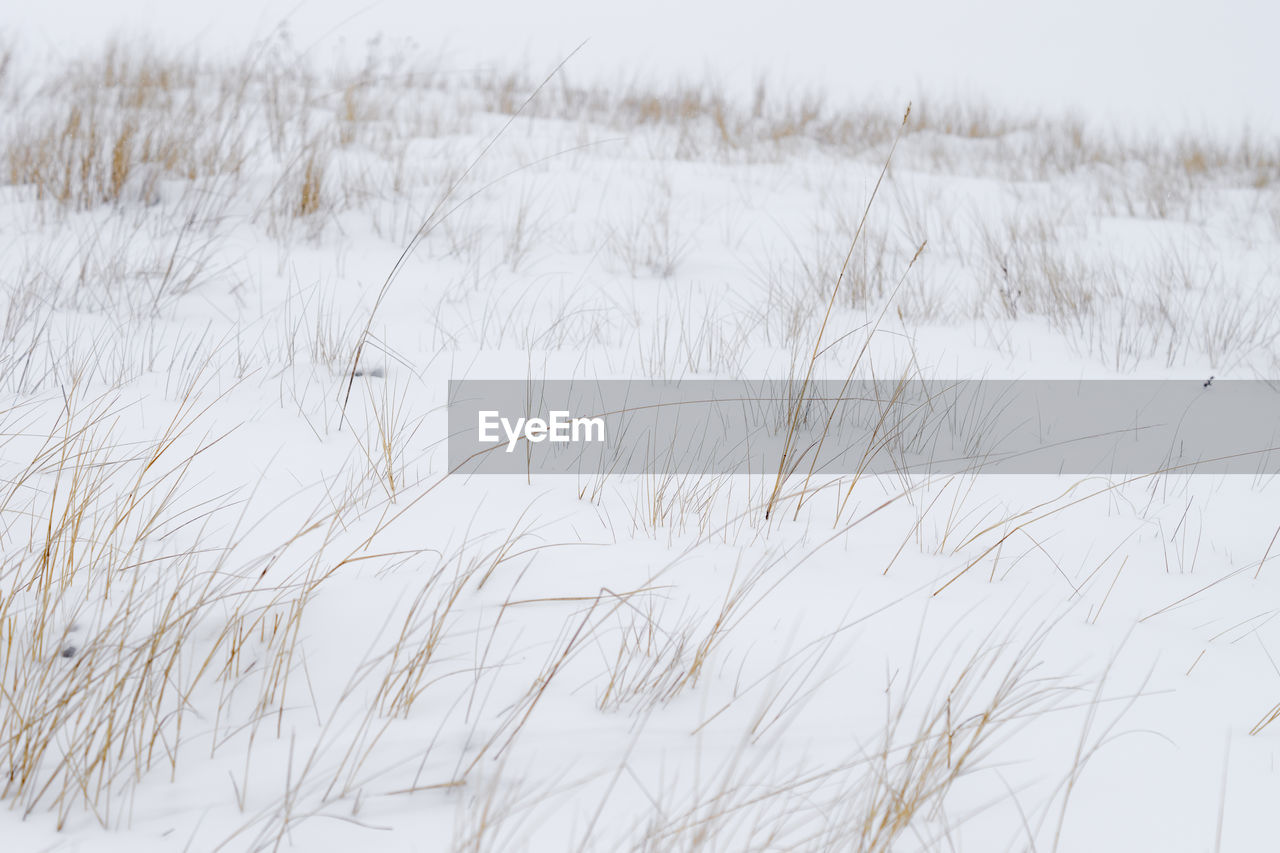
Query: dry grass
[(98, 607), (305, 149), (117, 126)]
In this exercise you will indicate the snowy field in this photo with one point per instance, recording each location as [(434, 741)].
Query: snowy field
[(245, 605)]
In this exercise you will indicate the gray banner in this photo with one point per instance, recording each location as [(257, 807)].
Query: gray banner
[(1109, 427)]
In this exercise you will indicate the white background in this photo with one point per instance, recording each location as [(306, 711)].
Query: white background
[(1134, 64)]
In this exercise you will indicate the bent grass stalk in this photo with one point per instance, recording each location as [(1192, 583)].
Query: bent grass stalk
[(786, 463), (431, 222)]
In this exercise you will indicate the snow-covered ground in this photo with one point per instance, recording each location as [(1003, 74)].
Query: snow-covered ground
[(244, 604)]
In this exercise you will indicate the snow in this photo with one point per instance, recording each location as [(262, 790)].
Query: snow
[(335, 643)]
